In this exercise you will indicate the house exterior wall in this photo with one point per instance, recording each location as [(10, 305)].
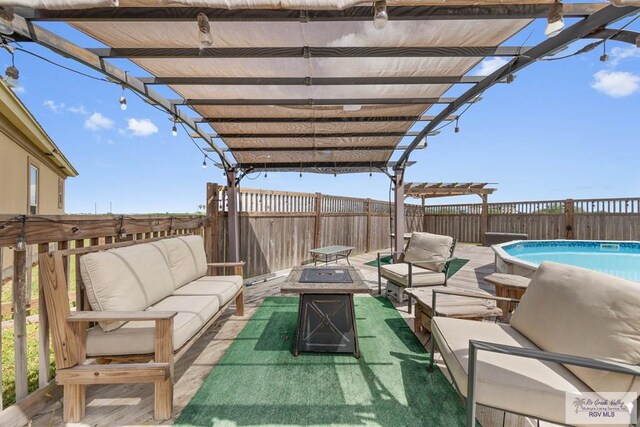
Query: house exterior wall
[(16, 154)]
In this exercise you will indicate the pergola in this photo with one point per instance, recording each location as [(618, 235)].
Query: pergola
[(426, 190), (311, 85)]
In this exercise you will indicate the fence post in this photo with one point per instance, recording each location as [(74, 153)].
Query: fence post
[(318, 224), (484, 219), (568, 213), (368, 244), (211, 232), (20, 322)]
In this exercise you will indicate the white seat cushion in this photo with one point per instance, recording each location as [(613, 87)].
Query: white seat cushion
[(138, 337), (582, 312), (517, 384), (456, 306), (424, 246), (186, 258), (399, 274), (126, 279), (222, 287)]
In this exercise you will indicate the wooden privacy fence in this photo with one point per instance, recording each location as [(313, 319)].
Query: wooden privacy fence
[(51, 232), (278, 228), (583, 219)]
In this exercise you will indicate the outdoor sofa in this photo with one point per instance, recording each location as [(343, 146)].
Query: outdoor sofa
[(574, 331), (151, 301)]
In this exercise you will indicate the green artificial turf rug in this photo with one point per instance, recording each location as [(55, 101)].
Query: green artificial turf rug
[(455, 266), (259, 382)]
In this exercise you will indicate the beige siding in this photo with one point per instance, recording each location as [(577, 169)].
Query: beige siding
[(16, 153)]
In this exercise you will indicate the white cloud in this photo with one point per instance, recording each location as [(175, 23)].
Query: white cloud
[(620, 53), (142, 127), (616, 84), (78, 110), (51, 105), (97, 121), (490, 65)]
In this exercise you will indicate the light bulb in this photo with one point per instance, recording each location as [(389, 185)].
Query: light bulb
[(380, 16), (604, 57), (174, 130), (204, 163), (21, 242), (265, 174), (11, 75), (370, 175), (457, 128), (510, 78), (6, 20), (123, 103), (205, 39), (555, 21), (300, 174)]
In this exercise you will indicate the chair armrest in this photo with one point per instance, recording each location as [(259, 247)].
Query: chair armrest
[(438, 260), (226, 264), (473, 295), (585, 362), (125, 316), (390, 253)]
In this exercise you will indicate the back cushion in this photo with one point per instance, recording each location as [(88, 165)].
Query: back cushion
[(428, 246), (187, 259), (126, 279), (581, 312)]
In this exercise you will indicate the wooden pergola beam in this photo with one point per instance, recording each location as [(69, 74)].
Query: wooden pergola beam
[(308, 81), (308, 52), (403, 13), (311, 102), (317, 119)]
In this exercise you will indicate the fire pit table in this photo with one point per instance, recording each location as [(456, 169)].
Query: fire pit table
[(326, 316)]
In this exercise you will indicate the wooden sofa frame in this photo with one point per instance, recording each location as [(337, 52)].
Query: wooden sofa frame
[(69, 334)]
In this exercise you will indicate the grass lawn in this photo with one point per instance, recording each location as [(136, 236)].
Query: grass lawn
[(8, 363)]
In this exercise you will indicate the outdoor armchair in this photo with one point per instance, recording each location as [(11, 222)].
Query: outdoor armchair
[(424, 262), (574, 332)]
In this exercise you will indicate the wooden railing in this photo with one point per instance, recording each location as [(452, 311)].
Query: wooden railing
[(277, 228), (582, 219), (44, 233)]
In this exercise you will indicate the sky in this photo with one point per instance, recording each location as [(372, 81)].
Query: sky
[(563, 129)]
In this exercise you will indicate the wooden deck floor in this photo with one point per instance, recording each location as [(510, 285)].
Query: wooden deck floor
[(128, 405)]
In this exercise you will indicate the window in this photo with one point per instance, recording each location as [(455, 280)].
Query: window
[(33, 189), (60, 193)]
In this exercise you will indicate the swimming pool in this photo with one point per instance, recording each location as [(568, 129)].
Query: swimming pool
[(523, 257)]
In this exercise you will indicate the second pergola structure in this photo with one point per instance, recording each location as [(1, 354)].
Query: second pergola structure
[(426, 190)]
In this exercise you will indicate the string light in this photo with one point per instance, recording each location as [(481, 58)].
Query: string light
[(380, 16), (205, 39), (457, 128), (6, 20), (555, 21), (510, 78), (604, 57), (204, 162), (123, 100), (174, 130), (11, 75), (21, 241), (265, 174), (300, 174)]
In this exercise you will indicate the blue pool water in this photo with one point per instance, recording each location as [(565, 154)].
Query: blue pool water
[(616, 258)]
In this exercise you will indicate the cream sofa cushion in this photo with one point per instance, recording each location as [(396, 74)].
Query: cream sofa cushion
[(517, 384), (424, 246), (138, 337), (399, 274), (222, 287), (186, 257), (126, 279), (585, 313)]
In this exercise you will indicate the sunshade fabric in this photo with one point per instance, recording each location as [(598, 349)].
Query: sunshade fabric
[(400, 35)]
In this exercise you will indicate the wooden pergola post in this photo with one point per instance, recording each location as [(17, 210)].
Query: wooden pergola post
[(398, 198), (211, 232), (233, 220), (424, 217), (484, 219)]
